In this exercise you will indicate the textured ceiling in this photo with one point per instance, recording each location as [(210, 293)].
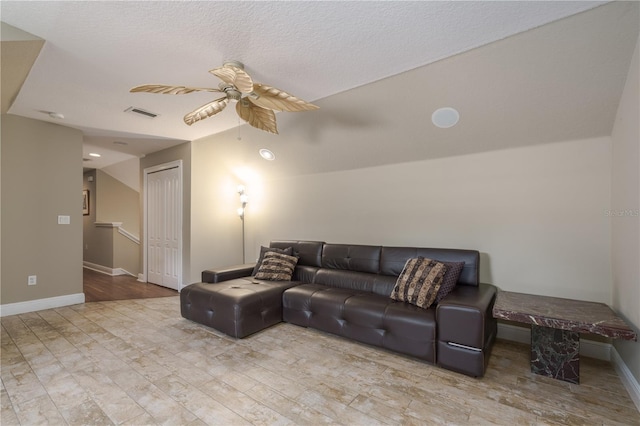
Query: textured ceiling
[(556, 83), (96, 51)]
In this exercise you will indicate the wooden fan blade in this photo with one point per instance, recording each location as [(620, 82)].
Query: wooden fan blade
[(234, 76), (170, 90), (258, 117), (272, 98), (206, 110)]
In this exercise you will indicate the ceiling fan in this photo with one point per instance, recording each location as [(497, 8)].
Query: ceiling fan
[(256, 102)]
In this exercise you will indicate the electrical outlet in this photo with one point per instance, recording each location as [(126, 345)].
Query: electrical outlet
[(32, 280)]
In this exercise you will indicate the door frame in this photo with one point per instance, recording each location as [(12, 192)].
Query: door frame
[(146, 172)]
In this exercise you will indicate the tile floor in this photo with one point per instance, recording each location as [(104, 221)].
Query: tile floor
[(138, 362)]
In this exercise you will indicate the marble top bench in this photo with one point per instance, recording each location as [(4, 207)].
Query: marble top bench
[(564, 314), (555, 327)]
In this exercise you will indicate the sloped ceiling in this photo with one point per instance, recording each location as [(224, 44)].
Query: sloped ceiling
[(19, 51), (558, 82), (518, 72)]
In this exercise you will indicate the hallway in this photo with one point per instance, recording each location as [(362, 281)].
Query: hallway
[(100, 287)]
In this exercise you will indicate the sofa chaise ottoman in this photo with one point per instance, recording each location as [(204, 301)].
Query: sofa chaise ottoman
[(238, 308)]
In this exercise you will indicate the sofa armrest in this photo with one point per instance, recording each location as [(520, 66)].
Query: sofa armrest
[(229, 273), (465, 316)]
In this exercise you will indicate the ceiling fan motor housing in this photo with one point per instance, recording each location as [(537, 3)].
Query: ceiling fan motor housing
[(236, 64), (230, 91)]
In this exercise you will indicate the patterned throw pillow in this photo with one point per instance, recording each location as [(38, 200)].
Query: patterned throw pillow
[(276, 267), (419, 282), (450, 279), (264, 250)]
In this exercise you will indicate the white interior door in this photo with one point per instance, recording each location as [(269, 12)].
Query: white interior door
[(164, 227)]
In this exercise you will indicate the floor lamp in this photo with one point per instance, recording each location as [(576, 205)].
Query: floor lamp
[(244, 198)]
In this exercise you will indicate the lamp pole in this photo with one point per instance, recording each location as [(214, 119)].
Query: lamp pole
[(244, 198), (243, 251)]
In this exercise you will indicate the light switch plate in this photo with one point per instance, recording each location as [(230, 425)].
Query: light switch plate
[(64, 220)]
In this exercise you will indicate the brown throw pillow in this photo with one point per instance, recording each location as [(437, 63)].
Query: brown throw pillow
[(450, 279), (419, 282), (263, 250), (276, 267)]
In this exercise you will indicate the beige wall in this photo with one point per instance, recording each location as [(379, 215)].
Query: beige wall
[(216, 227), (625, 208), (536, 213), (127, 172), (99, 248), (96, 247), (117, 202), (111, 201), (126, 254), (180, 152), (41, 179)]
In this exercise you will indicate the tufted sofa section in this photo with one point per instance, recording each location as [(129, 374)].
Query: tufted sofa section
[(345, 291)]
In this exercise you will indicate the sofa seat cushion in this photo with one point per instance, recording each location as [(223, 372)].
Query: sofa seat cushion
[(366, 317)]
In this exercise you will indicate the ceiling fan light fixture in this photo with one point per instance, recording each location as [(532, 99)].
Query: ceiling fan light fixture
[(267, 154), (445, 117)]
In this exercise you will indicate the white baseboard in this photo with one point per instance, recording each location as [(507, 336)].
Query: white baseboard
[(40, 304), (98, 268), (627, 378), (106, 270), (120, 271), (142, 278), (589, 348)]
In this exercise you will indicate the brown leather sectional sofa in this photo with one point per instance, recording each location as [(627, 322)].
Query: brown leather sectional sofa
[(344, 289)]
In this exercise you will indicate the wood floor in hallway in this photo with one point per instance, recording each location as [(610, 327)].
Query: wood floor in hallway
[(99, 287)]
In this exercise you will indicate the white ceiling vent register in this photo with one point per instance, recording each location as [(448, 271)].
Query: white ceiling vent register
[(141, 112)]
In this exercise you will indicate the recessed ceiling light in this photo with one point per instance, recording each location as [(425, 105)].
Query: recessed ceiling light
[(267, 155), (93, 154), (445, 117)]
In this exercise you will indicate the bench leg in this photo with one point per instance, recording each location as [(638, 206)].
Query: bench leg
[(555, 353)]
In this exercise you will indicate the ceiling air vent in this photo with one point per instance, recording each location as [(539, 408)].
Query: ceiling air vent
[(141, 112)]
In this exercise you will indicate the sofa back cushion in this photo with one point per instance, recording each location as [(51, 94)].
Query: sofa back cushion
[(393, 259), (361, 281), (305, 274), (309, 253), (350, 257)]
